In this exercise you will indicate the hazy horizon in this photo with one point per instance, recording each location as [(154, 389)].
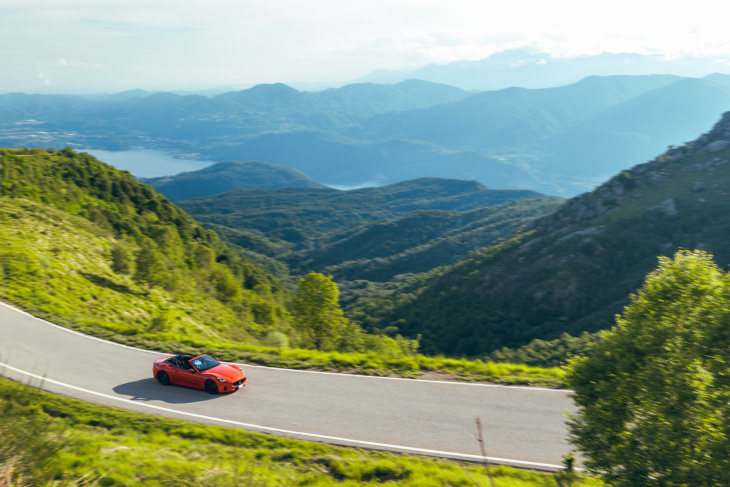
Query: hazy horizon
[(89, 47)]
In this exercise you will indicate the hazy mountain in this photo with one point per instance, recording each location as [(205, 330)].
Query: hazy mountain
[(240, 114), (531, 68), (573, 270), (227, 175), (122, 96), (514, 116), (554, 140), (338, 160), (636, 129), (275, 107)]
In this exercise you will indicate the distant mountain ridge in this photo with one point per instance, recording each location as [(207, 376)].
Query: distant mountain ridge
[(556, 140), (531, 68), (495, 120), (227, 175)]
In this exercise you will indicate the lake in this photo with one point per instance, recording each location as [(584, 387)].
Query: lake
[(147, 163)]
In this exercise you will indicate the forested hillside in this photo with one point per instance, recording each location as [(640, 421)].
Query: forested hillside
[(93, 247), (418, 241), (574, 269), (369, 233)]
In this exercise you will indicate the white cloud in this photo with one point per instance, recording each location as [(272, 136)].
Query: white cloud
[(66, 64)]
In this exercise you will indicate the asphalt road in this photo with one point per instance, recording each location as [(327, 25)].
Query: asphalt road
[(522, 426)]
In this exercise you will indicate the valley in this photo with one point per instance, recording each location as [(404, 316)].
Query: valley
[(437, 244)]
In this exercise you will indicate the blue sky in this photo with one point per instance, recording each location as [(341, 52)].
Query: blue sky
[(111, 45)]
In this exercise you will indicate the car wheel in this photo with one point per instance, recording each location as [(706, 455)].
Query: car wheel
[(210, 387), (163, 378)]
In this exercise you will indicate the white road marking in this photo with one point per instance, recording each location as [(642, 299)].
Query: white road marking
[(564, 391), (290, 432)]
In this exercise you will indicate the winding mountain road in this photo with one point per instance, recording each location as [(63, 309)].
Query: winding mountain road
[(523, 426)]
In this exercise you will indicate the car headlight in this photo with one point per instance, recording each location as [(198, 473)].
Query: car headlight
[(221, 379)]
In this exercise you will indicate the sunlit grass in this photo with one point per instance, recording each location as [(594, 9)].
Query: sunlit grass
[(137, 449)]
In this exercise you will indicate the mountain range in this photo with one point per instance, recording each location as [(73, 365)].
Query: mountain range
[(473, 270), (531, 68), (560, 141)]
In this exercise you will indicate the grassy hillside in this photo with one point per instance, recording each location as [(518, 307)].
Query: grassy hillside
[(227, 175), (574, 269), (90, 245)]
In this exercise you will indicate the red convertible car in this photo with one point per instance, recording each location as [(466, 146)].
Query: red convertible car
[(201, 372)]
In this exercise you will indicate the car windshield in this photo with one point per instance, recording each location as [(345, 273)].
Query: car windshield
[(204, 362)]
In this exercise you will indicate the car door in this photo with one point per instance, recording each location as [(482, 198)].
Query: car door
[(177, 376), (195, 378), (189, 377)]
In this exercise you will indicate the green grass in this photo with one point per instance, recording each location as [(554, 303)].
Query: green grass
[(57, 266), (130, 448)]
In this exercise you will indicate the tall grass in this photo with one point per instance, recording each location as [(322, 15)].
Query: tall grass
[(112, 447)]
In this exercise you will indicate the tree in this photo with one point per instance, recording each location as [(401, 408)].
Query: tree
[(226, 286), (316, 310), (121, 259), (150, 269), (653, 395)]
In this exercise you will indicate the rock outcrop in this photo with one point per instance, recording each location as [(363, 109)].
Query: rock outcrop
[(627, 184)]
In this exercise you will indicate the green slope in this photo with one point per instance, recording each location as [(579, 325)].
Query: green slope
[(573, 270), (64, 215)]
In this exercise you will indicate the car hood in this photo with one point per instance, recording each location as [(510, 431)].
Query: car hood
[(228, 372)]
